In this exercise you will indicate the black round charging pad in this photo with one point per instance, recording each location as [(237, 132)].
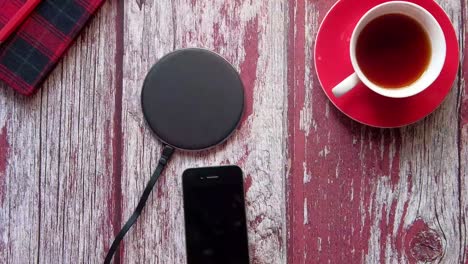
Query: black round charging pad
[(192, 99)]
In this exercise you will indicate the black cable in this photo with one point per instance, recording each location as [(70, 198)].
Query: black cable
[(165, 157)]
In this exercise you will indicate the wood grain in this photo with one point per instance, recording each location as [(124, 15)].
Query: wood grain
[(78, 105), (371, 195), (251, 35), (56, 164), (19, 180), (320, 188), (463, 132)]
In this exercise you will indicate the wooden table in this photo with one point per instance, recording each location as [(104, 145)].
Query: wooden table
[(321, 188)]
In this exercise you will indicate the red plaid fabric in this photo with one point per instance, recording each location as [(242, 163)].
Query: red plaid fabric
[(30, 54)]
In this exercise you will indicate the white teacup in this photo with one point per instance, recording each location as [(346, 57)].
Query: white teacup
[(434, 67)]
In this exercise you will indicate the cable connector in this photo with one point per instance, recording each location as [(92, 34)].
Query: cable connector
[(166, 155)]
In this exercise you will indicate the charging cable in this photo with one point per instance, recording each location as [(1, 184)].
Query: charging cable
[(165, 157)]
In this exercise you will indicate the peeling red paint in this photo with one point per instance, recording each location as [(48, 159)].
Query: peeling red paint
[(384, 229), (295, 217), (426, 246), (257, 221), (160, 186), (248, 68), (231, 20), (464, 108), (4, 153), (395, 162), (248, 183), (400, 238), (108, 161), (464, 103), (244, 157), (115, 129), (422, 243), (4, 150), (466, 255), (218, 37), (341, 155), (107, 145)]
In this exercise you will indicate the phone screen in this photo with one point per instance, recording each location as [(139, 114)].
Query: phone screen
[(215, 222)]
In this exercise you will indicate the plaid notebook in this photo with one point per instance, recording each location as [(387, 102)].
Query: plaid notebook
[(28, 56)]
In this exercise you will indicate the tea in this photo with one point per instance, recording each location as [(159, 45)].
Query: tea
[(393, 50)]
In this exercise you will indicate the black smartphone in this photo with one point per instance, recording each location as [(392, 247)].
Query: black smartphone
[(215, 221)]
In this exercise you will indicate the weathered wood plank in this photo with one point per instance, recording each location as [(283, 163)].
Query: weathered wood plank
[(363, 194), (77, 182), (19, 177), (251, 35), (77, 207), (463, 129), (56, 168)]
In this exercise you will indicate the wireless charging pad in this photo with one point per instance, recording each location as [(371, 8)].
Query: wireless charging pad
[(192, 99)]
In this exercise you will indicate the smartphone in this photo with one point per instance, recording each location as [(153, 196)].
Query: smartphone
[(214, 212)]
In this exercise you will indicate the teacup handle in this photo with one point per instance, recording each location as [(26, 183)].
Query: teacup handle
[(346, 85)]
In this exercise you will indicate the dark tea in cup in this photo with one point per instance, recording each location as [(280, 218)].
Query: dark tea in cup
[(397, 50), (393, 50)]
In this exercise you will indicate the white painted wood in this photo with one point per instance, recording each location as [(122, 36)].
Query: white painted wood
[(57, 205), (19, 178), (77, 117), (151, 30)]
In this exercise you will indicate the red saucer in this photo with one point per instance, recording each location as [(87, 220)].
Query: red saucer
[(333, 64)]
